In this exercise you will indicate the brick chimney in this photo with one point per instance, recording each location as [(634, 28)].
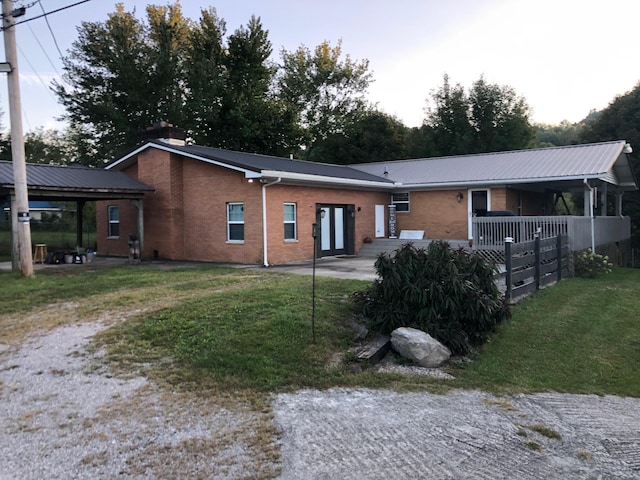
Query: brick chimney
[(163, 132)]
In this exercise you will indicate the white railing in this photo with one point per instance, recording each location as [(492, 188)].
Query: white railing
[(489, 232)]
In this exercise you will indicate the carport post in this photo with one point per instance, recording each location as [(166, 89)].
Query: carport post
[(138, 203), (79, 222)]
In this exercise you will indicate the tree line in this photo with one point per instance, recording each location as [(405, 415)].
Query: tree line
[(123, 74)]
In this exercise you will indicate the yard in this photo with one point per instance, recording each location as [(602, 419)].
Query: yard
[(227, 329), (215, 345)]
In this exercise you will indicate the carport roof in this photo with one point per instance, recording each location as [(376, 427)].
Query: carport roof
[(73, 181), (606, 161)]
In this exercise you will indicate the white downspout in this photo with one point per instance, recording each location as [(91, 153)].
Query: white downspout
[(593, 232), (264, 219)]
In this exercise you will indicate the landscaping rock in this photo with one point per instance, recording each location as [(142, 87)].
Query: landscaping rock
[(419, 347)]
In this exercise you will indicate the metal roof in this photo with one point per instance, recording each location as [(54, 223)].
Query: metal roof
[(604, 161), (52, 178), (255, 165)]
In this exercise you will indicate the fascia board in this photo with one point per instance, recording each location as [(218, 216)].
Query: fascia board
[(167, 148), (303, 177), (501, 181)]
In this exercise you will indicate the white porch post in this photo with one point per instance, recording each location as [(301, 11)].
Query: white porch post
[(619, 203), (603, 200), (587, 201)]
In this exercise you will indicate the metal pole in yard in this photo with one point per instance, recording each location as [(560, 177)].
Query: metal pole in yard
[(314, 233)]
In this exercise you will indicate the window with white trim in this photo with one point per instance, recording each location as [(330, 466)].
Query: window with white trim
[(290, 226), (401, 201), (113, 214), (235, 222)]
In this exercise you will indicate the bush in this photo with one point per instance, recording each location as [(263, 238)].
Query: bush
[(450, 294), (589, 264)]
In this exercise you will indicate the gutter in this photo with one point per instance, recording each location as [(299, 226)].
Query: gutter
[(264, 220), (593, 232)]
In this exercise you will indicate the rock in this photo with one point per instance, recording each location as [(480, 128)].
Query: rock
[(419, 347)]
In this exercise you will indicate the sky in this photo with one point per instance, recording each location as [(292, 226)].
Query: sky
[(565, 57)]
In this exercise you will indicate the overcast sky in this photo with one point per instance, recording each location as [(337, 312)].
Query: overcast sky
[(565, 57)]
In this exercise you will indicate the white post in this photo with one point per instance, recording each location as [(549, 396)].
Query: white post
[(20, 216)]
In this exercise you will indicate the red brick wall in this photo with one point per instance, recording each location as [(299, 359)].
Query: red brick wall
[(438, 213), (186, 216)]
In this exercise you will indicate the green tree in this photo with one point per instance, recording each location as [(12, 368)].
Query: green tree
[(325, 92), (123, 75), (487, 119), (168, 36), (564, 133), (252, 119), (499, 118), (448, 120), (107, 90), (372, 137), (206, 78), (620, 120)]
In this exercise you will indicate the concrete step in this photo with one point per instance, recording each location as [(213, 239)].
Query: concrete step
[(389, 245)]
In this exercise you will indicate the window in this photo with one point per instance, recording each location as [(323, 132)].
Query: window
[(114, 221), (235, 222), (290, 230), (401, 201)]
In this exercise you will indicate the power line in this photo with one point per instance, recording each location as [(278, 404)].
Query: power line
[(43, 50), (55, 41), (49, 13)]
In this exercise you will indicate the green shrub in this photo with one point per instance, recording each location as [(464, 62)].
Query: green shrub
[(589, 264), (450, 294)]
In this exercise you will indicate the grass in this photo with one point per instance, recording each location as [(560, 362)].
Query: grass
[(249, 332), (580, 336)]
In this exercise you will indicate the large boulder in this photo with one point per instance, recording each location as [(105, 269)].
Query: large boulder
[(419, 347)]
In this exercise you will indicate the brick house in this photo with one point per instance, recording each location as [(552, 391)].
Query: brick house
[(216, 205)]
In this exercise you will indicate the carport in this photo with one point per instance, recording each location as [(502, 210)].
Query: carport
[(79, 184)]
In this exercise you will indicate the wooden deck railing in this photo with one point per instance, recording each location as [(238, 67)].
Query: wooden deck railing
[(489, 232)]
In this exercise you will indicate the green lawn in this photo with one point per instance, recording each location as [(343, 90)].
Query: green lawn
[(581, 336), (248, 330)]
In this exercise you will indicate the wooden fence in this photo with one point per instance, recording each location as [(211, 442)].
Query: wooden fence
[(534, 264)]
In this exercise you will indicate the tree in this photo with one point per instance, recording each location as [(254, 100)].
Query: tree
[(487, 119), (499, 118), (621, 121), (123, 75), (564, 133), (448, 120), (252, 119), (372, 137), (325, 92), (108, 91), (206, 78), (168, 36)]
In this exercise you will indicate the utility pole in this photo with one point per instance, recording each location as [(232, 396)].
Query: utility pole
[(20, 226)]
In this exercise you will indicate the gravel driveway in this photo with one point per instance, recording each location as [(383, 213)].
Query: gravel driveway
[(64, 417)]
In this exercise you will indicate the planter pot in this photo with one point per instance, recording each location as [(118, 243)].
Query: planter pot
[(68, 259)]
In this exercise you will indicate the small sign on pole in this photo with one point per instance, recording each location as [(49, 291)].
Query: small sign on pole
[(23, 217)]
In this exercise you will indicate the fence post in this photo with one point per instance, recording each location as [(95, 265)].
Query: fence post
[(537, 260), (559, 254), (507, 263)]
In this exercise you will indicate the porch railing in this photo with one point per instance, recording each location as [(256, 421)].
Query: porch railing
[(489, 232)]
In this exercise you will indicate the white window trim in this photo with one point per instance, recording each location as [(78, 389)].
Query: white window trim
[(294, 222), (112, 222), (407, 202), (234, 222)]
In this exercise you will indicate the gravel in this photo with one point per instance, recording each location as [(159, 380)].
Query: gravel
[(64, 417)]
